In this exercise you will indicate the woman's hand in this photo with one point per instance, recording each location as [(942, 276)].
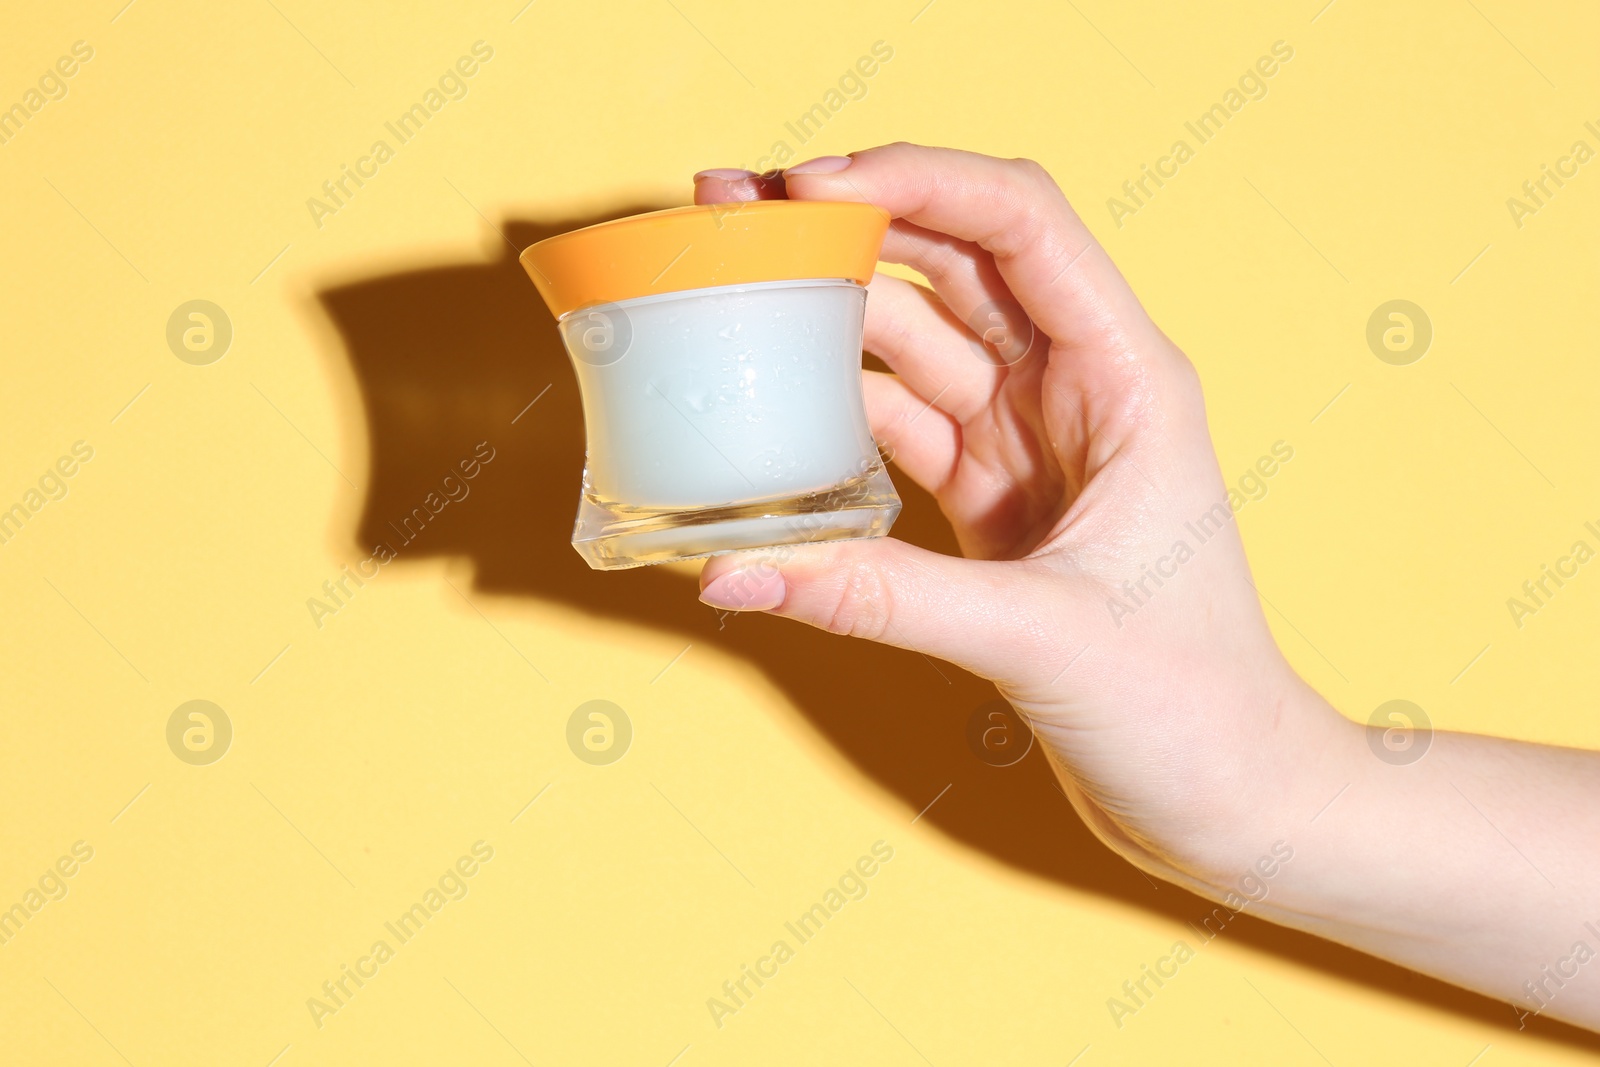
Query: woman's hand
[(1104, 589)]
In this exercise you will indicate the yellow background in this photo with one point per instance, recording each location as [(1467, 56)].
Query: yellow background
[(374, 351)]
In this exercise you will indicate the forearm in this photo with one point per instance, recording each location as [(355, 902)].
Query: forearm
[(1477, 863)]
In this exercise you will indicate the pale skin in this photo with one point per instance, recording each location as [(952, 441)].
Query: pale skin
[(1179, 731)]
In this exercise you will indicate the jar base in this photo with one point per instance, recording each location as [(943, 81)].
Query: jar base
[(610, 538)]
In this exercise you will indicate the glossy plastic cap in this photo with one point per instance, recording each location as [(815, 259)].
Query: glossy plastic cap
[(699, 247)]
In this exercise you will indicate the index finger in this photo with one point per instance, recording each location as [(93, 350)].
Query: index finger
[(1010, 207)]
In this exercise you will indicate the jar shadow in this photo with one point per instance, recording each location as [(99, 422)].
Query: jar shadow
[(451, 355)]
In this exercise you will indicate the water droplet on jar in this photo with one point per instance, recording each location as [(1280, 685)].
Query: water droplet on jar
[(697, 400)]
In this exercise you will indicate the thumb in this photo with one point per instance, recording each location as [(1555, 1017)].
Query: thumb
[(979, 614)]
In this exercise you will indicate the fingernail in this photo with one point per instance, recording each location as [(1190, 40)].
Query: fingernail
[(745, 590), (727, 174), (821, 165)]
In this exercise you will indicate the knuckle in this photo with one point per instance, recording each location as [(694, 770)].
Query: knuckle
[(892, 151), (1190, 385), (888, 331), (861, 603), (896, 337), (1031, 201), (1033, 172)]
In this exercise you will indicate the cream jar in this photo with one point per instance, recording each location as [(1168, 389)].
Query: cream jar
[(718, 351)]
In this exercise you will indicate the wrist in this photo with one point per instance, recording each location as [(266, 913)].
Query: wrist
[(1287, 757)]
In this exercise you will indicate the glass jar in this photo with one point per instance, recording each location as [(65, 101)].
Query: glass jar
[(718, 351)]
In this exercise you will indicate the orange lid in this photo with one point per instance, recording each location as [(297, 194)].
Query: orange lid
[(711, 244)]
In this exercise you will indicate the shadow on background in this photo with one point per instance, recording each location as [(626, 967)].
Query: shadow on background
[(449, 356)]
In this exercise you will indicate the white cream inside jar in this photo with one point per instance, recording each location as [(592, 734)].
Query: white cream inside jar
[(718, 396)]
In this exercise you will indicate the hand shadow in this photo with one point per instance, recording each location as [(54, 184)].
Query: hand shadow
[(451, 355)]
